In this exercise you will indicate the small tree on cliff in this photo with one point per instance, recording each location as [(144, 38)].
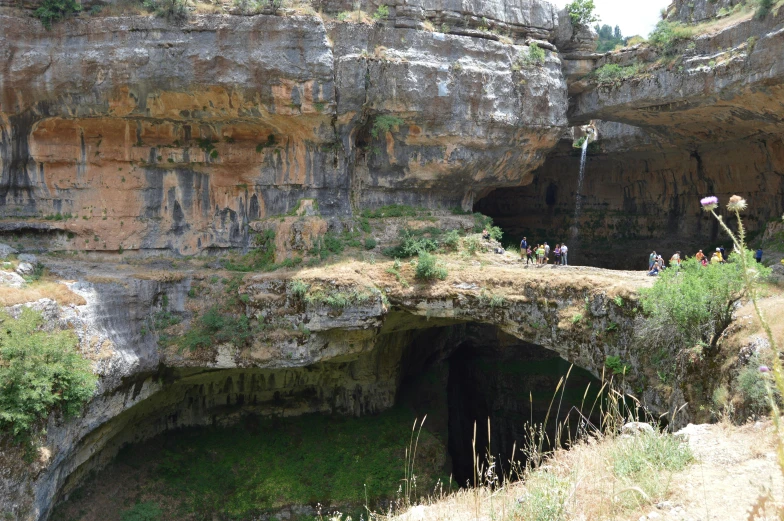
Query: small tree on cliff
[(582, 13)]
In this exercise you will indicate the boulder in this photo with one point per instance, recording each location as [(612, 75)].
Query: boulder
[(11, 279), (25, 269), (6, 250), (634, 428)]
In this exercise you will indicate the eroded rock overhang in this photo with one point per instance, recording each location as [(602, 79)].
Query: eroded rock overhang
[(147, 135)]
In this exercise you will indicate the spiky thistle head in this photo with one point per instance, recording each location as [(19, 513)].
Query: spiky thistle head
[(737, 204), (709, 203)]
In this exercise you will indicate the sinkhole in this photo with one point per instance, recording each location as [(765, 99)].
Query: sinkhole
[(247, 443)]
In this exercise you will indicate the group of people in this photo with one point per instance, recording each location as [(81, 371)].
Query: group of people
[(656, 262), (540, 253)]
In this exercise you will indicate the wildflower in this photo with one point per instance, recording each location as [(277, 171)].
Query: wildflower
[(709, 203), (764, 369), (737, 204)]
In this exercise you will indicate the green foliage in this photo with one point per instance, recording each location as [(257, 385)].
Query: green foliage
[(391, 210), (451, 241), (299, 287), (752, 388), (428, 268), (612, 73), (412, 243), (395, 270), (382, 13), (577, 317), (52, 11), (173, 10), (534, 57), (244, 472), (608, 39), (692, 304), (472, 244), (216, 327), (40, 372), (260, 258), (763, 8), (646, 461), (546, 498), (370, 243), (383, 124), (667, 34), (142, 511), (581, 13), (614, 364), (483, 222)]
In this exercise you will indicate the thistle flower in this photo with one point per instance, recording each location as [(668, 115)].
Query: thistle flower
[(764, 369), (736, 204), (709, 203)]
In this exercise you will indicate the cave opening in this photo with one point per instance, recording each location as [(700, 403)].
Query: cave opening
[(243, 442)]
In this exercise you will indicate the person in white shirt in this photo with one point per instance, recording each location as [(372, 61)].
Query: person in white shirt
[(564, 251)]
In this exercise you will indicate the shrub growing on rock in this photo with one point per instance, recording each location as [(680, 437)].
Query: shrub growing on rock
[(52, 11), (428, 268), (40, 372), (693, 304)]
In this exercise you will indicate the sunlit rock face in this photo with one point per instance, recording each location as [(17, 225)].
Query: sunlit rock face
[(146, 135)]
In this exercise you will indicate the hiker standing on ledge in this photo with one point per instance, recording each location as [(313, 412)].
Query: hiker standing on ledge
[(564, 251), (523, 248)]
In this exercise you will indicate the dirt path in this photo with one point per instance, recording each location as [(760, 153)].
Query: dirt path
[(735, 466)]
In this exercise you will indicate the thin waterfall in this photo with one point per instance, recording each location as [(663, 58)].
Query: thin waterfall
[(578, 194)]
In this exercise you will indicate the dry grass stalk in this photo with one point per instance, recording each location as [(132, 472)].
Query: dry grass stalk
[(56, 291)]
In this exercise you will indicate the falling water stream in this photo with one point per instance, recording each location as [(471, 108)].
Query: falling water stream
[(578, 194)]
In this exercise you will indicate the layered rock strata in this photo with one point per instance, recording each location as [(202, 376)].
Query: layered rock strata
[(132, 133)]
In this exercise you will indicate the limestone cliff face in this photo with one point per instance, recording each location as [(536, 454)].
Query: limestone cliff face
[(146, 135)]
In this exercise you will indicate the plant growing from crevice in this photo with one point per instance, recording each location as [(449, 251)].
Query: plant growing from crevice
[(382, 13), (383, 124), (534, 57), (51, 11), (173, 10)]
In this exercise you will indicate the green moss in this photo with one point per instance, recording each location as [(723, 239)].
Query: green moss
[(243, 472)]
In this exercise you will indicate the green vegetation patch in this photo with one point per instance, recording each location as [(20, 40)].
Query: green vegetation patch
[(40, 372), (611, 73), (429, 268), (646, 462), (383, 124), (243, 472), (52, 11), (667, 35)]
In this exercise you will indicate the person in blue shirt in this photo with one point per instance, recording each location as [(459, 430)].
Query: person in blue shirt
[(758, 255), (523, 248)]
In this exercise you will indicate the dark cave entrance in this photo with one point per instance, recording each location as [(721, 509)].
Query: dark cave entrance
[(486, 374), (323, 433)]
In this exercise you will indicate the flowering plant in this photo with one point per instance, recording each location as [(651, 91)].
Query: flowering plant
[(736, 205)]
